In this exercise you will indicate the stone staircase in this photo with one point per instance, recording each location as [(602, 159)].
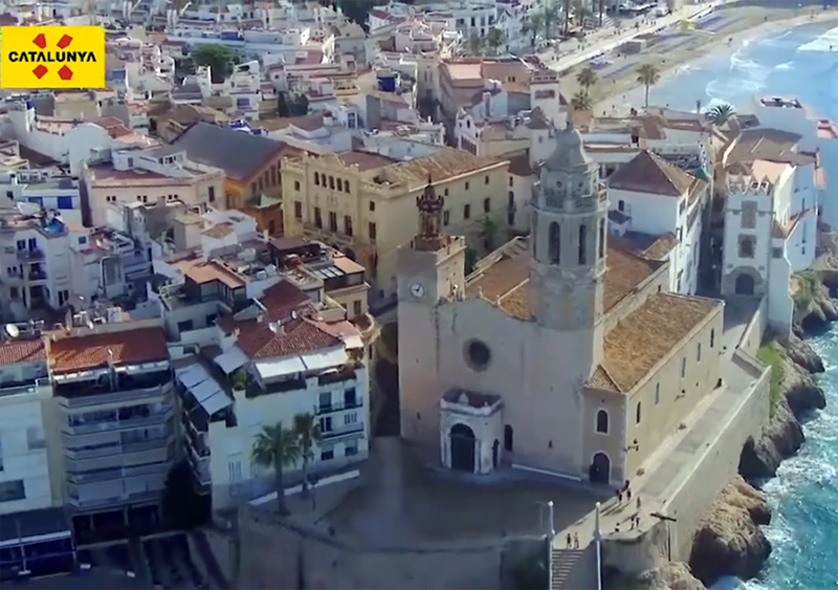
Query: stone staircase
[(562, 563)]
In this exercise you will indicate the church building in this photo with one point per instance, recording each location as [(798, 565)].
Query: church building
[(559, 352)]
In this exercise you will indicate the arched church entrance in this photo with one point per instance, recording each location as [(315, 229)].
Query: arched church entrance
[(601, 469), (744, 284), (462, 448)]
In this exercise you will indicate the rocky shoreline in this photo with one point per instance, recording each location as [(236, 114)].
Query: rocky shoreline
[(729, 540)]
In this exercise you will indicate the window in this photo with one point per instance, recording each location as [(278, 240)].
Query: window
[(185, 326), (340, 184), (318, 220), (487, 180), (253, 188), (372, 206), (371, 230), (316, 179), (746, 246), (350, 449), (749, 214), (12, 490), (637, 414), (478, 355), (555, 244), (583, 237), (327, 455), (466, 186), (511, 181), (487, 204), (657, 393), (683, 367), (602, 422), (357, 307), (274, 178), (507, 438), (234, 471), (261, 184), (297, 185), (682, 206), (298, 210), (777, 252), (35, 438), (346, 186), (602, 238), (466, 211), (698, 353), (621, 205), (446, 217), (332, 182), (326, 424), (347, 225), (65, 202), (324, 401), (712, 338), (351, 418), (211, 191)]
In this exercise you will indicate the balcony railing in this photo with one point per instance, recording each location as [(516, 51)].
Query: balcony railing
[(116, 449), (201, 468), (161, 451), (37, 275), (336, 377), (135, 498), (344, 432), (338, 407), (151, 419), (118, 473), (97, 399), (24, 255)]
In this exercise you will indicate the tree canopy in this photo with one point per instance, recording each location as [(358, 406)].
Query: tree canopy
[(219, 58)]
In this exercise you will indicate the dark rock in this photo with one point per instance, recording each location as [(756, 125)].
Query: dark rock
[(779, 440), (674, 575), (729, 541), (802, 393), (803, 354)]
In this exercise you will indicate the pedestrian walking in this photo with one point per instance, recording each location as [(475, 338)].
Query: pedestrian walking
[(628, 496), (638, 503), (619, 497), (575, 541), (569, 541)]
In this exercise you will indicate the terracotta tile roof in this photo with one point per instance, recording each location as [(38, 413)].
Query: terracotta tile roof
[(651, 332), (602, 380), (203, 271), (647, 245), (281, 298), (649, 173), (520, 165), (765, 144), (441, 165), (504, 281), (295, 336), (365, 160), (13, 352), (143, 345)]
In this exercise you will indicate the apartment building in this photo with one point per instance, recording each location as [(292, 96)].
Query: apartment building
[(150, 175), (287, 359), (364, 203), (114, 407), (49, 189)]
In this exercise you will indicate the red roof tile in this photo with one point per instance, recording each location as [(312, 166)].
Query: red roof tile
[(297, 336), (281, 298), (79, 353), (14, 352)]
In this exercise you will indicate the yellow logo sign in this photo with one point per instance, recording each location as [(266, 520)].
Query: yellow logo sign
[(52, 57)]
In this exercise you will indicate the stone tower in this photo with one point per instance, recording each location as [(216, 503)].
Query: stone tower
[(568, 234)]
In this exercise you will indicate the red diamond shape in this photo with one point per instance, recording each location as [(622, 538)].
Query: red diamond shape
[(65, 41), (65, 73), (40, 40), (41, 71)]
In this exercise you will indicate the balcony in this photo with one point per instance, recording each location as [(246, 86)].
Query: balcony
[(36, 275), (72, 397), (198, 442), (323, 233), (89, 502), (347, 374), (154, 418), (351, 431), (200, 467), (30, 255), (76, 479), (141, 454), (339, 407)]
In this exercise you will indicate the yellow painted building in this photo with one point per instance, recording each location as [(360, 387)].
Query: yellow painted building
[(365, 203)]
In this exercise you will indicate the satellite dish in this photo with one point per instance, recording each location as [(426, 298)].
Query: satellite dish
[(12, 330)]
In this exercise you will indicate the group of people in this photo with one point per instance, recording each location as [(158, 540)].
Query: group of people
[(624, 493)]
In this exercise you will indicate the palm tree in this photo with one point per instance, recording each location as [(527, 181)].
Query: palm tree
[(277, 448), (308, 434), (720, 114), (648, 75), (586, 78), (534, 27), (581, 101)]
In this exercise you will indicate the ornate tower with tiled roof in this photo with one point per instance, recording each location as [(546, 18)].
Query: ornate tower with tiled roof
[(568, 238)]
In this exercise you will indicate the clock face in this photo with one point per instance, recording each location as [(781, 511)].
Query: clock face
[(417, 290)]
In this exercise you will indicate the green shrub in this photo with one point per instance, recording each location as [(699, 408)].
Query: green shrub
[(770, 356), (807, 286)]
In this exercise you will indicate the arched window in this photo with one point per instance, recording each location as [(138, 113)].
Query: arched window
[(602, 422), (316, 178), (583, 237), (637, 413), (555, 237)]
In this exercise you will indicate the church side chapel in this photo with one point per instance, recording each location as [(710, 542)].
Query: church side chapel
[(560, 352)]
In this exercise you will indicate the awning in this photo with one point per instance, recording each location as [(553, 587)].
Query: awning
[(231, 360), (278, 368), (324, 360), (204, 390), (191, 375), (217, 401)]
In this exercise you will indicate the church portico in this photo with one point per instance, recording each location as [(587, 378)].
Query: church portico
[(471, 431)]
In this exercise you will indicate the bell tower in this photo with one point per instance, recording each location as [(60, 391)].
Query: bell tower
[(568, 238)]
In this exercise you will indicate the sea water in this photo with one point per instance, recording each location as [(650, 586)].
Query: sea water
[(804, 495)]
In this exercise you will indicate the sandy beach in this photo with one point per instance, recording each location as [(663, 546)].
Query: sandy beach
[(734, 25)]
